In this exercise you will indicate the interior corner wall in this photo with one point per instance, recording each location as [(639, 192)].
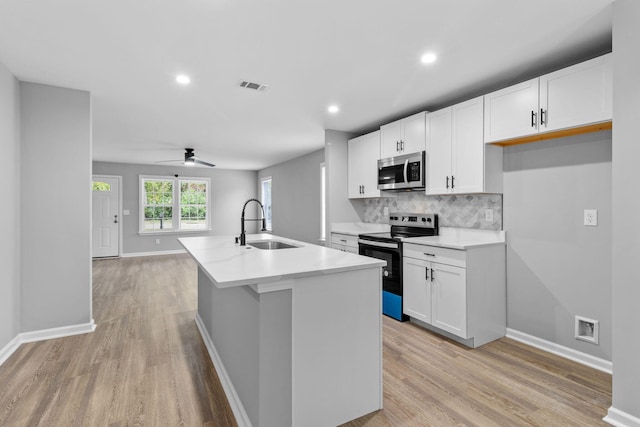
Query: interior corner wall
[(626, 205), (295, 197), (229, 190), (55, 207), (339, 207), (10, 212), (557, 268)]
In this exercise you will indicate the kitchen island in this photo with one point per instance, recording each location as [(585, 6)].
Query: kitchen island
[(295, 334)]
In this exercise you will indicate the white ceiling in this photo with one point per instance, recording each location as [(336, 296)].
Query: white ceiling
[(360, 54)]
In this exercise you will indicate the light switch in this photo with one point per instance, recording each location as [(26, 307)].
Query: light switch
[(125, 212)]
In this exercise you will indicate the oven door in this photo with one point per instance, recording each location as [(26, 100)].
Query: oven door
[(391, 274)]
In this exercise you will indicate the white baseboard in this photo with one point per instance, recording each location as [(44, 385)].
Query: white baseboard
[(44, 334), (137, 254), (618, 418), (560, 350), (9, 349), (232, 396)]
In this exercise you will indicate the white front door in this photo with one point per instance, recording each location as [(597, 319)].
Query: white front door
[(105, 216)]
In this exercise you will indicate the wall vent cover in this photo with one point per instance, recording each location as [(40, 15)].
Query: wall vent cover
[(252, 85)]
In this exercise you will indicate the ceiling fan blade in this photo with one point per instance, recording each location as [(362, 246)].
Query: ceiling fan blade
[(202, 162), (168, 161)]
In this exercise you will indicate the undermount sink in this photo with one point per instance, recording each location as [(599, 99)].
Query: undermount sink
[(271, 244)]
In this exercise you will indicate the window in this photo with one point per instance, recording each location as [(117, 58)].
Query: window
[(323, 201), (265, 197), (100, 186), (162, 197)]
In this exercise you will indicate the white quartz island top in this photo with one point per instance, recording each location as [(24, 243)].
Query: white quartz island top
[(461, 238), (228, 264)]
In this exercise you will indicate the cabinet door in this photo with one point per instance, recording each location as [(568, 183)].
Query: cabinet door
[(511, 112), (390, 138), (577, 95), (369, 167), (439, 152), (467, 147), (354, 162), (414, 136), (449, 299), (416, 299)]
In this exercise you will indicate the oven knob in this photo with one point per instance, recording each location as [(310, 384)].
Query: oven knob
[(428, 219)]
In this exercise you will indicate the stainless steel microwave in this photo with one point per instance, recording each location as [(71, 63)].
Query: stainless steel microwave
[(404, 172)]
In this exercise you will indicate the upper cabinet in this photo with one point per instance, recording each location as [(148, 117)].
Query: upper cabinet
[(576, 96), (458, 160), (364, 152), (403, 136)]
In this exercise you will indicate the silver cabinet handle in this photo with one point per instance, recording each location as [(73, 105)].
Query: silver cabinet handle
[(432, 274), (542, 113), (427, 254), (426, 273), (533, 119)]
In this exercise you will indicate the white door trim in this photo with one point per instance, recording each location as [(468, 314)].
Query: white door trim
[(119, 178)]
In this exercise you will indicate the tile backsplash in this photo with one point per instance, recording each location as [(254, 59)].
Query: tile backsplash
[(460, 210)]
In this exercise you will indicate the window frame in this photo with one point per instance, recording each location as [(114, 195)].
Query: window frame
[(269, 219), (176, 204)]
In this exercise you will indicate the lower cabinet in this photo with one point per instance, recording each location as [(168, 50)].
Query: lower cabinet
[(344, 242), (461, 293)]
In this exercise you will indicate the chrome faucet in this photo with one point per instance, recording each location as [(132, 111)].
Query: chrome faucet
[(243, 235)]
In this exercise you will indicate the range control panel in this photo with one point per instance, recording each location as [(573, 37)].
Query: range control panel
[(414, 220)]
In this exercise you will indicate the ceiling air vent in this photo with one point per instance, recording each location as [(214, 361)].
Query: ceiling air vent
[(251, 85)]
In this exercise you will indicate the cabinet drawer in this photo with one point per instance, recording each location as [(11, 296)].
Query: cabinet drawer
[(344, 240), (435, 254)]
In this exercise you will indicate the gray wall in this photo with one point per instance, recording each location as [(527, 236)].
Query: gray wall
[(556, 267), (626, 205), (55, 207), (10, 212), (229, 190), (296, 197), (339, 207)]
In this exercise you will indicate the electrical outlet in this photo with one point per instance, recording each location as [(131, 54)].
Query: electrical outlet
[(385, 211), (488, 215), (591, 217)]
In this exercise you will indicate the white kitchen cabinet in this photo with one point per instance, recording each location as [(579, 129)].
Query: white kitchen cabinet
[(416, 300), (449, 298), (458, 160), (363, 155), (575, 96), (344, 242), (459, 293), (403, 136)]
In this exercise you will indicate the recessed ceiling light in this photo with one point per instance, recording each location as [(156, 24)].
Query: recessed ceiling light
[(428, 58), (333, 109), (183, 79)]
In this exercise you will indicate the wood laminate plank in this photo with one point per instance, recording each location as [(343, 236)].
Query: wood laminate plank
[(146, 365)]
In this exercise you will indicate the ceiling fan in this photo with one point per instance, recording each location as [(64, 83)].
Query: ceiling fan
[(190, 159)]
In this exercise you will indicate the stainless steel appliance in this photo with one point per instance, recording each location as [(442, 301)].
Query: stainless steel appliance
[(404, 172), (388, 247)]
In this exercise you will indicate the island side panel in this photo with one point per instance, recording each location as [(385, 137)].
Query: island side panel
[(337, 347), (231, 317), (275, 359), (251, 333)]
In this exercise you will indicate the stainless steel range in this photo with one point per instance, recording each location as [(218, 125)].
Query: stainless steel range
[(388, 247)]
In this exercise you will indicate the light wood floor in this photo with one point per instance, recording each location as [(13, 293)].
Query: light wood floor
[(146, 365)]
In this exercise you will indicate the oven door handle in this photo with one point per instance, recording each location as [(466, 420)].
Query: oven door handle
[(378, 244)]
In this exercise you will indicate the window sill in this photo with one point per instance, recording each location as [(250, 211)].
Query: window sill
[(157, 233)]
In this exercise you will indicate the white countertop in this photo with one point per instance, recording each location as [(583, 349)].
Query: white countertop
[(461, 238), (355, 228), (228, 264)]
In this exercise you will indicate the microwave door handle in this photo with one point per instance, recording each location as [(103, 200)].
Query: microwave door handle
[(406, 166)]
